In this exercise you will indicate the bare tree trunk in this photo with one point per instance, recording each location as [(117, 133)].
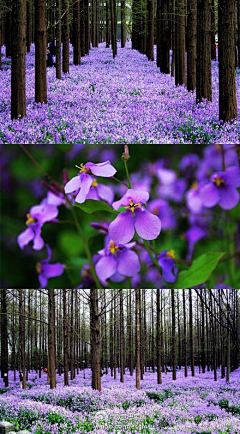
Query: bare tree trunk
[(123, 23), (4, 337), (51, 338), (58, 41), (191, 45), (18, 52), (180, 43), (65, 38), (226, 55), (173, 335), (158, 341), (95, 341), (40, 52), (121, 336), (150, 30), (65, 337), (204, 65), (191, 333), (137, 325), (22, 336)]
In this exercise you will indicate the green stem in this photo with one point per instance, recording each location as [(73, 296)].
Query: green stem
[(127, 173), (118, 180), (154, 260), (86, 247)]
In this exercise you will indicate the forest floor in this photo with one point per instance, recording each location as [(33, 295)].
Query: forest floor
[(189, 405), (126, 100)]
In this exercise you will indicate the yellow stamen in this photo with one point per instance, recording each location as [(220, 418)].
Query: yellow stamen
[(218, 181), (94, 183), (83, 169), (38, 267), (132, 205), (30, 219), (194, 185), (113, 249), (170, 254)]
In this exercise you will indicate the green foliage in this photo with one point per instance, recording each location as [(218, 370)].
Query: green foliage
[(200, 270), (90, 206)]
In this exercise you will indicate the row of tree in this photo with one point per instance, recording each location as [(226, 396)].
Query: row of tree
[(118, 330), (181, 25)]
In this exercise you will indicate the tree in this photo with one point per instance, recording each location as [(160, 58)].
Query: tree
[(226, 54), (58, 40), (123, 23), (158, 340), (204, 65), (150, 30), (180, 43), (18, 51), (40, 52), (4, 335), (65, 37), (76, 33), (137, 336), (191, 44), (51, 338), (165, 37), (95, 340)]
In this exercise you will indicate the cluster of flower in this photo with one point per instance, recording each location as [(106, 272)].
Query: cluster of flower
[(204, 184), (188, 405)]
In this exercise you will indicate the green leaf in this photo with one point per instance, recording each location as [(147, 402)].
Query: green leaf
[(200, 270), (90, 206)]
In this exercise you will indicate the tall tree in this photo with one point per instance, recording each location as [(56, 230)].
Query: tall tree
[(226, 54), (180, 43), (40, 52), (95, 340), (18, 92), (76, 33), (137, 336), (165, 39), (150, 30), (191, 44), (51, 338), (58, 40), (123, 23), (204, 65), (65, 37)]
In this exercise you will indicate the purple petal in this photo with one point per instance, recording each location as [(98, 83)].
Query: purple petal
[(25, 237), (86, 182), (105, 193), (38, 242), (73, 185), (229, 197), (52, 270), (136, 196), (233, 176), (53, 199), (44, 212), (210, 195), (121, 230), (194, 201), (42, 280), (147, 225), (92, 194), (128, 263), (105, 169), (49, 255), (106, 267), (117, 277)]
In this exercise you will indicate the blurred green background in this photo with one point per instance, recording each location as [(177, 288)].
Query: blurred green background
[(21, 188)]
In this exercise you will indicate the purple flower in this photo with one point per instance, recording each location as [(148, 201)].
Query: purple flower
[(193, 235), (116, 261), (162, 209), (37, 216), (84, 180), (193, 199), (168, 266), (222, 189), (136, 216), (46, 270), (100, 192)]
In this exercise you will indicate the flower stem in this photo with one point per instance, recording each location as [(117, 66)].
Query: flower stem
[(127, 173), (86, 247), (154, 260), (118, 180)]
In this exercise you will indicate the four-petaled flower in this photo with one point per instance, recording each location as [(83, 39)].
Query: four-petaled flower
[(46, 270), (135, 216), (84, 180), (116, 261), (37, 216), (222, 189)]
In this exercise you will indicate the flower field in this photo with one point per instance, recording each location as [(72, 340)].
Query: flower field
[(189, 405), (126, 100)]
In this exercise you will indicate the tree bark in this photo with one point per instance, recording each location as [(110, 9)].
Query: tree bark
[(58, 40), (180, 43), (40, 52), (51, 338), (95, 341), (123, 23), (137, 325), (150, 30), (191, 333), (18, 52), (158, 341), (4, 336), (65, 38), (226, 55), (191, 45), (204, 65), (174, 376), (76, 34)]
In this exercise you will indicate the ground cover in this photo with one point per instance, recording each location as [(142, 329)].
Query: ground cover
[(126, 100), (189, 405)]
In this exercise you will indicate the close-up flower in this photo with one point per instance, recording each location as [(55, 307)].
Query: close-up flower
[(135, 217), (84, 180), (46, 270)]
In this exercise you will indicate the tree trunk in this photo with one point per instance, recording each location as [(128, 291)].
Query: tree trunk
[(8, 34), (95, 341), (158, 341), (204, 65), (18, 95), (40, 52), (107, 25), (174, 376), (137, 325), (82, 26), (226, 55), (191, 45), (51, 338), (123, 23), (213, 31), (22, 336), (121, 336), (76, 34), (65, 338), (87, 31), (28, 35), (58, 41), (150, 30), (94, 23), (65, 38), (4, 336), (113, 27), (159, 26), (180, 68), (191, 333), (165, 42)]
